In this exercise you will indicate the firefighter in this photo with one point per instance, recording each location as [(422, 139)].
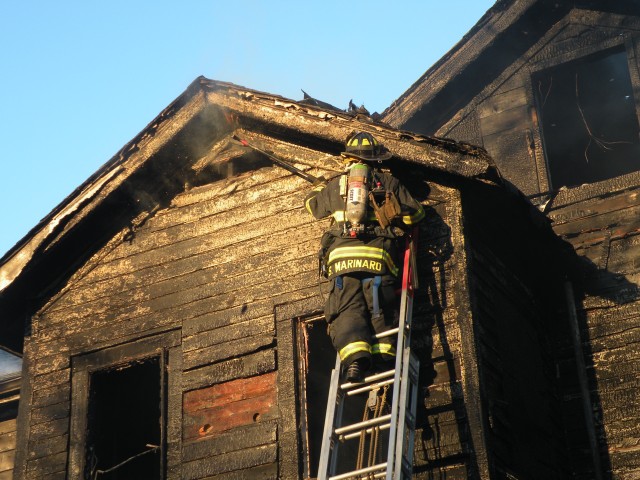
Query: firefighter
[(371, 210)]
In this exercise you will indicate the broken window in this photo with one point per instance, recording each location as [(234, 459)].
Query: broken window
[(120, 410), (588, 119), (316, 360), (124, 436), (10, 379), (317, 357)]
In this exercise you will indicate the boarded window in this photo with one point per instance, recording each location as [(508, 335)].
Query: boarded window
[(214, 410), (588, 119)]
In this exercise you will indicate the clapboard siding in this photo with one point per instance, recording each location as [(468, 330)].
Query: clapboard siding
[(214, 267), (604, 231), (225, 342), (212, 467), (240, 441), (206, 245), (146, 260)]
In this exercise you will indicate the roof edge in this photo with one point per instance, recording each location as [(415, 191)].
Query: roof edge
[(494, 22)]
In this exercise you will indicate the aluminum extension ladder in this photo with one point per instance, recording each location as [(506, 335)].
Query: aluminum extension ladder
[(404, 381)]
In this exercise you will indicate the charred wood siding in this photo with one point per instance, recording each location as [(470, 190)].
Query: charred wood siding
[(517, 382), (211, 271), (514, 292), (448, 441), (604, 231), (7, 448), (505, 118), (214, 264)]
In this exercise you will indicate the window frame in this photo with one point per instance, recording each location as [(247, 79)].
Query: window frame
[(166, 348), (290, 445), (301, 325), (573, 54)]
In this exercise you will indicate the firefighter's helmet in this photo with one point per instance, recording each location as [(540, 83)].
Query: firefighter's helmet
[(364, 146)]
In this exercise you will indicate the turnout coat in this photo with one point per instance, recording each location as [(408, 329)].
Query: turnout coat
[(374, 251)]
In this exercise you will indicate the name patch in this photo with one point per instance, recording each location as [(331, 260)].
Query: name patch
[(357, 263)]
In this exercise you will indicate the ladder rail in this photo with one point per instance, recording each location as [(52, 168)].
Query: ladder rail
[(407, 399), (404, 345), (328, 451)]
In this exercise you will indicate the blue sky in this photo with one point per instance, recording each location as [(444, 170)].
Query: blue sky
[(81, 78)]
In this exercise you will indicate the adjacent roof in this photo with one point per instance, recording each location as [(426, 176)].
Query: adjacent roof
[(499, 38)]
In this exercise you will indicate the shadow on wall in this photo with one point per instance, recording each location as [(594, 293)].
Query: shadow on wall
[(444, 439), (447, 431), (609, 290)]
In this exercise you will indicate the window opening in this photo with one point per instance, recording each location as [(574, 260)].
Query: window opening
[(10, 379), (317, 358), (588, 119), (124, 433)]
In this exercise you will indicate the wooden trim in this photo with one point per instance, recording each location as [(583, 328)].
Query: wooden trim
[(536, 146), (633, 55), (479, 456), (173, 422)]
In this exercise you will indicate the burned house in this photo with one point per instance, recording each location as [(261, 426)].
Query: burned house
[(551, 91), (170, 310)]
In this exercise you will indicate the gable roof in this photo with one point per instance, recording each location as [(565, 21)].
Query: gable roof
[(157, 164), (501, 36)]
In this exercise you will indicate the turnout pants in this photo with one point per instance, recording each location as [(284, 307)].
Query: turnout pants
[(360, 305)]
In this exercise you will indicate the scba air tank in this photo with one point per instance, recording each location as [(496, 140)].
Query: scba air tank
[(357, 194)]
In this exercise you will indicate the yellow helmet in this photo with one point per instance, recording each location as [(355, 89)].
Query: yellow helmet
[(364, 146)]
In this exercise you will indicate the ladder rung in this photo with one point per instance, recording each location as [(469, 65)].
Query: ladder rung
[(373, 386), (387, 333), (353, 435), (362, 425), (369, 379), (362, 471)]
